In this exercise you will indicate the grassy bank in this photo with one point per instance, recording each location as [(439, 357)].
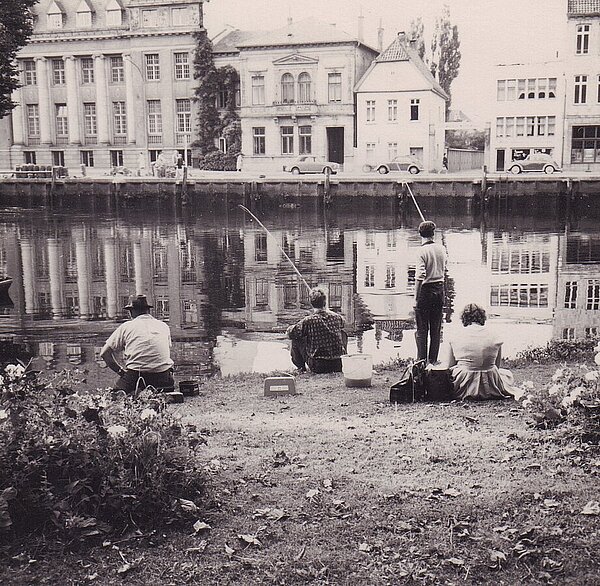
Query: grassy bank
[(335, 486)]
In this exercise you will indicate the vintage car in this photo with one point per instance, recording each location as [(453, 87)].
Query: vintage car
[(535, 162), (311, 164), (402, 164)]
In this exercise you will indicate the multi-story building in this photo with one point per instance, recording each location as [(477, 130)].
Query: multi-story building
[(400, 109), (582, 115), (529, 108), (297, 91), (104, 83)]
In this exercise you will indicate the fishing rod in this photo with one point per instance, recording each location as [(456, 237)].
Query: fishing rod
[(278, 245), (415, 201)]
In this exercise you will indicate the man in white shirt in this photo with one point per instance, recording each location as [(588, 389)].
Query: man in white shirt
[(146, 346), (429, 293)]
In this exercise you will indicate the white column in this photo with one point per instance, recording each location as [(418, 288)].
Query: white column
[(110, 263), (130, 96), (72, 100), (28, 279), (41, 69), (83, 274), (55, 277), (17, 118), (137, 268), (101, 98)]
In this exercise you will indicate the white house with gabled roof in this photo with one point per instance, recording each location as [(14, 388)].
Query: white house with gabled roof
[(400, 109)]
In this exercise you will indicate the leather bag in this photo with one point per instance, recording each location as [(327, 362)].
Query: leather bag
[(411, 386)]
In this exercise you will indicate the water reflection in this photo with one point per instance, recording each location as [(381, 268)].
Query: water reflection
[(228, 293)]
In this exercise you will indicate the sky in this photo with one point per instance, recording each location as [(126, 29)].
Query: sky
[(491, 32)]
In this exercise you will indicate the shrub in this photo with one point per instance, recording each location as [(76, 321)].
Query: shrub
[(88, 464), (557, 350), (217, 161)]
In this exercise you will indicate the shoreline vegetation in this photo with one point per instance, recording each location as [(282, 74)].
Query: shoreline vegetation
[(336, 486)]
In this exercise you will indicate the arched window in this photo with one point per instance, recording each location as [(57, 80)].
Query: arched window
[(287, 88), (304, 93)]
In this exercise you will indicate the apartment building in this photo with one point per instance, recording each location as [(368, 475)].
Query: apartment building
[(105, 83)]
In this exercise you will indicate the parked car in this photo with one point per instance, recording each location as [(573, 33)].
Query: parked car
[(409, 164), (311, 164), (535, 162)]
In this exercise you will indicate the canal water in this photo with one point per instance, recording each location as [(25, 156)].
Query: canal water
[(228, 293)]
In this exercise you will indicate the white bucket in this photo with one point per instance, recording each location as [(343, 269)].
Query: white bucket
[(357, 369)]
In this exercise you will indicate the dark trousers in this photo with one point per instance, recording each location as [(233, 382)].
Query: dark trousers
[(301, 359), (428, 315), (134, 381)]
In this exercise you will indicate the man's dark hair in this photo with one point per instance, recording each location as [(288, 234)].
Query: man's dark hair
[(473, 314), (427, 229), (317, 297)]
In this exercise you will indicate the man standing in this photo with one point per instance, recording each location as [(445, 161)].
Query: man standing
[(429, 293), (318, 340), (146, 346)]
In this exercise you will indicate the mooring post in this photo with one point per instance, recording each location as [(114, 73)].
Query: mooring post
[(327, 186), (184, 191), (484, 180)]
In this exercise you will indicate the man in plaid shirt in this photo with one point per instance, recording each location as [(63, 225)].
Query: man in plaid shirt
[(318, 340)]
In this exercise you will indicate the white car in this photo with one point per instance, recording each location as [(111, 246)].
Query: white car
[(535, 162), (311, 164)]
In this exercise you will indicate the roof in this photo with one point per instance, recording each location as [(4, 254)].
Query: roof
[(401, 50), (309, 31), (229, 42), (575, 7)]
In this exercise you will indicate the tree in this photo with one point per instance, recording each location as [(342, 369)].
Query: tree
[(16, 26), (444, 55)]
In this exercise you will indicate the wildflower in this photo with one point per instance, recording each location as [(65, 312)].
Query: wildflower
[(1, 381), (567, 402), (147, 414), (554, 389), (557, 375), (528, 384), (14, 371), (527, 403), (3, 414), (116, 430), (597, 359), (591, 375)]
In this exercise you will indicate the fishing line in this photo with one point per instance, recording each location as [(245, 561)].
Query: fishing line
[(415, 201), (278, 245)]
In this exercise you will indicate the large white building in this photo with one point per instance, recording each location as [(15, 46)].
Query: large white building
[(400, 109)]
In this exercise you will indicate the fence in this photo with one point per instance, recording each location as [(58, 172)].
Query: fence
[(463, 159)]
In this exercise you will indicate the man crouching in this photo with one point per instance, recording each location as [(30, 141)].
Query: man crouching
[(318, 340)]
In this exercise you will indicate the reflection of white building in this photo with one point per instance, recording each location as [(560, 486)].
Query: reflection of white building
[(529, 105), (578, 289)]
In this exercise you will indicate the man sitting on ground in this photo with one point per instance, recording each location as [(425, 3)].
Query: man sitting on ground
[(146, 346), (318, 340)]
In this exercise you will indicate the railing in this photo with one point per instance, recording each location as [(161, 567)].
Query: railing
[(90, 140), (62, 140), (183, 138), (155, 139), (120, 140), (33, 140)]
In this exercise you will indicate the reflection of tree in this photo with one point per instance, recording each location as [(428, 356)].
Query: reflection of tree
[(449, 294), (363, 319)]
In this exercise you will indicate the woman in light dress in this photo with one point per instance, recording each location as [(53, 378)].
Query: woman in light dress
[(474, 360)]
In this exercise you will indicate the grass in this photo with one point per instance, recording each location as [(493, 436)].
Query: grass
[(336, 486)]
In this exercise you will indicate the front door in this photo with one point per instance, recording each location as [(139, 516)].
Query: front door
[(335, 144), (500, 160)]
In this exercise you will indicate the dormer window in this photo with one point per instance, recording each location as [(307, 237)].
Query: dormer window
[(56, 16), (114, 13), (149, 18), (84, 14)]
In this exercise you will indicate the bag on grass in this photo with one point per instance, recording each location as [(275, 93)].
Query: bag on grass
[(438, 384), (411, 387)]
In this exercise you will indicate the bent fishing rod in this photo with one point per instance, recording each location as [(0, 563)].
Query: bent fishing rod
[(278, 245), (415, 201)]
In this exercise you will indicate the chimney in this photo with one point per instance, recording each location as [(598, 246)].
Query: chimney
[(380, 37), (361, 26)]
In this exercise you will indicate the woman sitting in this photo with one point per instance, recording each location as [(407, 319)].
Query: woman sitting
[(474, 360)]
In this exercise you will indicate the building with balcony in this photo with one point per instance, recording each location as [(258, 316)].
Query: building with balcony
[(102, 82), (529, 113), (400, 109), (297, 91), (582, 104)]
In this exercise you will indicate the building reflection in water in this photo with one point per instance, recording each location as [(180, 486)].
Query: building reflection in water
[(228, 293)]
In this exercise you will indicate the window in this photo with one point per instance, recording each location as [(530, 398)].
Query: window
[(369, 276), (568, 334), (541, 88), (501, 90), (530, 125), (392, 110), (29, 72), (222, 99), (119, 119), (33, 121), (262, 293), (117, 71), (222, 144), (89, 119), (521, 89), (182, 65), (58, 158), (593, 294), (552, 87), (149, 18), (499, 127), (598, 97), (154, 117), (55, 21), (87, 158), (531, 83), (304, 89), (520, 126), (591, 332), (30, 157), (287, 88), (116, 158), (370, 148), (87, 70), (305, 138), (114, 14), (258, 90), (260, 247), (585, 144), (180, 16), (335, 87), (414, 108), (162, 310), (551, 125), (511, 89), (370, 110), (390, 276), (287, 140), (258, 136), (583, 39), (62, 124), (84, 18), (580, 89), (519, 295), (58, 71), (510, 127), (571, 295), (183, 109), (152, 67), (392, 150)]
